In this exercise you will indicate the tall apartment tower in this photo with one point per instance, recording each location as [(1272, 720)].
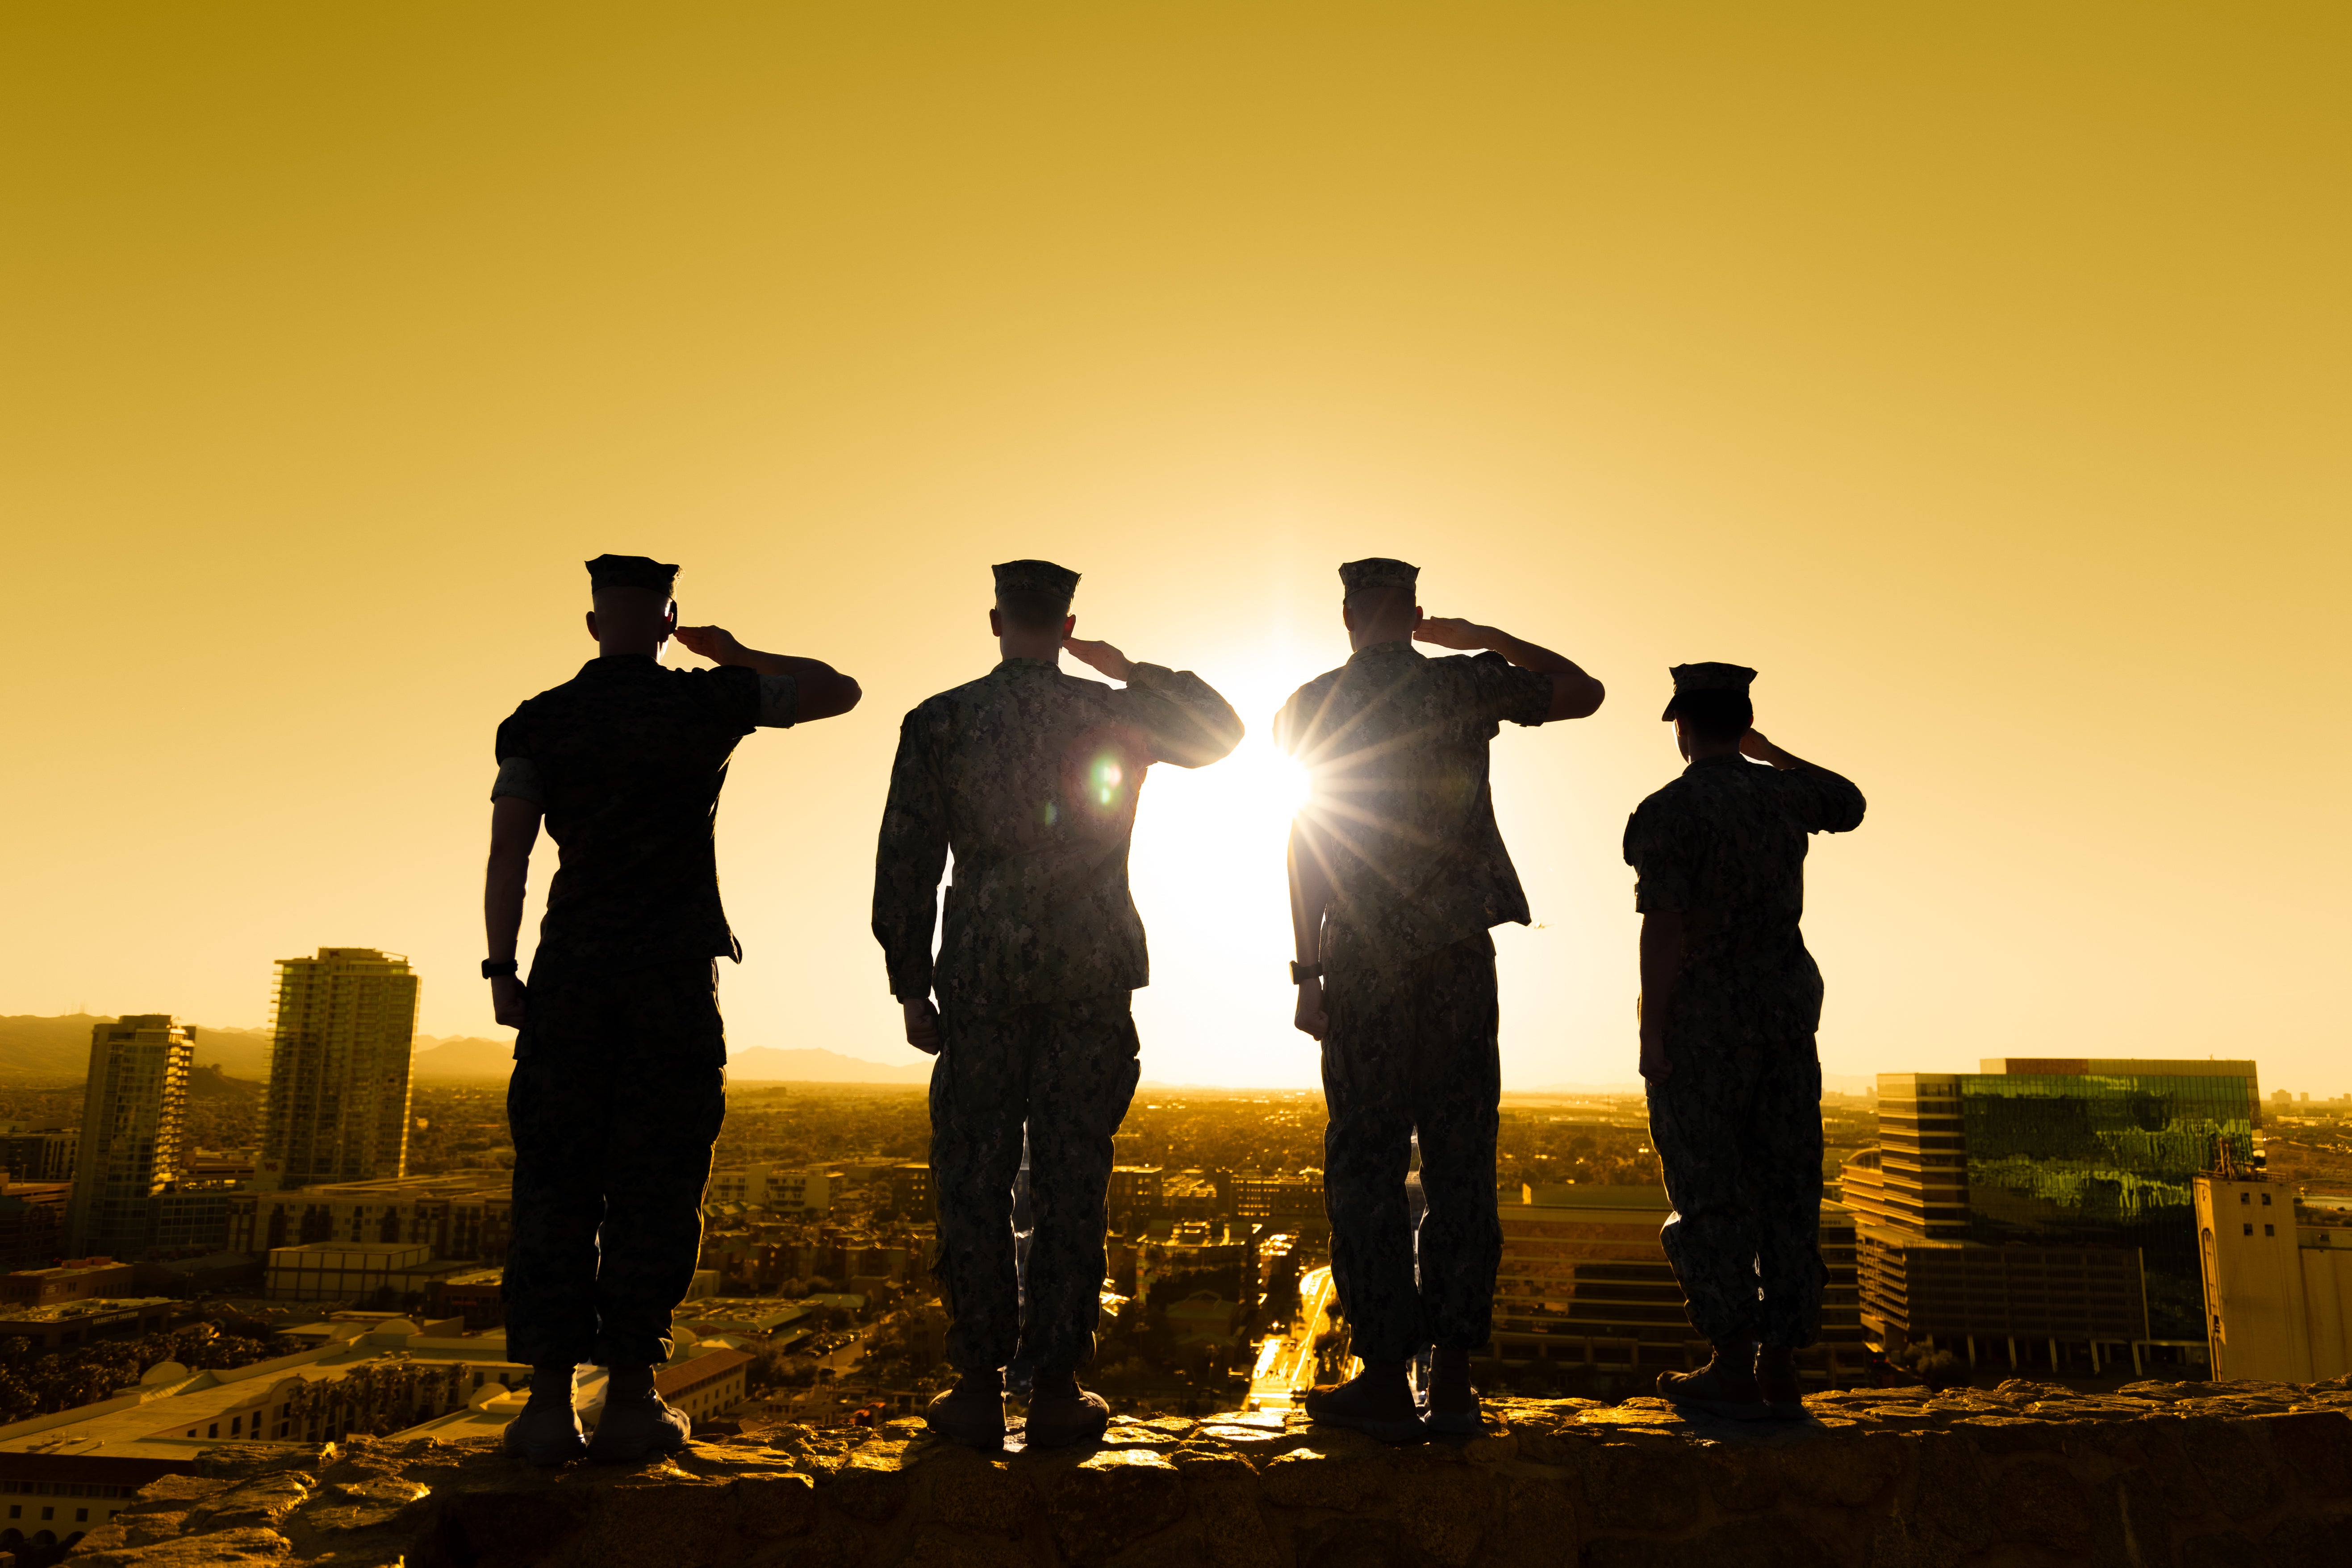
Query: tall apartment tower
[(338, 1105), (134, 1110)]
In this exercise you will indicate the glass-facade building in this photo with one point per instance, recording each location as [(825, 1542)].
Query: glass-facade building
[(2070, 1153)]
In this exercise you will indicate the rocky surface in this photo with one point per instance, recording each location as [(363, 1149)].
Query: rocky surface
[(2186, 1473)]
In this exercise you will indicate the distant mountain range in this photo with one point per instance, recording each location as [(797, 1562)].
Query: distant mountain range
[(60, 1050), (1832, 1082), (765, 1064), (37, 1048), (466, 1057)]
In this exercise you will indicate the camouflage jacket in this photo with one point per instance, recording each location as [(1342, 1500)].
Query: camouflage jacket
[(627, 759), (1399, 812), (1725, 845), (1030, 778)]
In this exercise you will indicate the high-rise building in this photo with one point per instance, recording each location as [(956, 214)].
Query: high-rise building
[(1923, 1162), (338, 1105), (2081, 1169), (133, 1107)]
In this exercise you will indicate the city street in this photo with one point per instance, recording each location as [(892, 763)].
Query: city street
[(809, 1403), (1286, 1363)]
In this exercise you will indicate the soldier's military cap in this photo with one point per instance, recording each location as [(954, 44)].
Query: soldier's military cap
[(1695, 678), (1377, 571), (1037, 579), (630, 572)]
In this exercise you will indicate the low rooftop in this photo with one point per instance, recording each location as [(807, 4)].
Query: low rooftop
[(87, 1307)]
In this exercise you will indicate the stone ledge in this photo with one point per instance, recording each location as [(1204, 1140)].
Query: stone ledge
[(2156, 1476)]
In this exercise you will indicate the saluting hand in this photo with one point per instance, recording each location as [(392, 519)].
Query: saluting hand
[(716, 643), (1102, 656), (1450, 631)]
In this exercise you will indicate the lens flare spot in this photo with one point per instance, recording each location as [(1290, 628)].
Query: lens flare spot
[(1106, 776)]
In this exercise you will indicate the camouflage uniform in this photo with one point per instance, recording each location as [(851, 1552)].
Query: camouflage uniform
[(1030, 777), (613, 1112), (1737, 1123), (1068, 1069), (619, 1081), (1403, 820)]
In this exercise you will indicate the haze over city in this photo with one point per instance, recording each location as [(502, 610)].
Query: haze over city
[(1976, 378)]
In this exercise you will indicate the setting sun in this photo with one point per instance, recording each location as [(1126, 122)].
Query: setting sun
[(1208, 858)]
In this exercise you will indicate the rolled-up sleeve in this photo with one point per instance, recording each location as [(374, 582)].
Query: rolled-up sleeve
[(1187, 723), (1508, 692), (1826, 803), (780, 701), (518, 773)]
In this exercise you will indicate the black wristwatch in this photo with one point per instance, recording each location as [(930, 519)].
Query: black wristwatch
[(1301, 974), (492, 968)]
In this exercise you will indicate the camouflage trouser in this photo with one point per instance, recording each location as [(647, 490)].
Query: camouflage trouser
[(1740, 1133), (1409, 1051), (1068, 1070), (619, 1087)]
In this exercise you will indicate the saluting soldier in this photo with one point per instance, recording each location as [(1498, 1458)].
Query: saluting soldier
[(1030, 778), (1397, 873), (619, 1080), (1730, 1000)]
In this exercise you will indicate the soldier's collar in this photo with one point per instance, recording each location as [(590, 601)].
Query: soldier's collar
[(1401, 647), (1012, 663), (1718, 760)]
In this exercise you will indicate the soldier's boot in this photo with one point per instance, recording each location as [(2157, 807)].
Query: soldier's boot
[(1724, 1386), (1377, 1401), (548, 1430), (637, 1423), (971, 1412), (1776, 1382), (1062, 1413), (1453, 1404)]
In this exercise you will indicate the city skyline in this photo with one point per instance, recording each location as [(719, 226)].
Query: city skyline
[(895, 1074), (1978, 394)]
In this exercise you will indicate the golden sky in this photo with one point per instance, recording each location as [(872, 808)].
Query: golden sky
[(1977, 372)]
